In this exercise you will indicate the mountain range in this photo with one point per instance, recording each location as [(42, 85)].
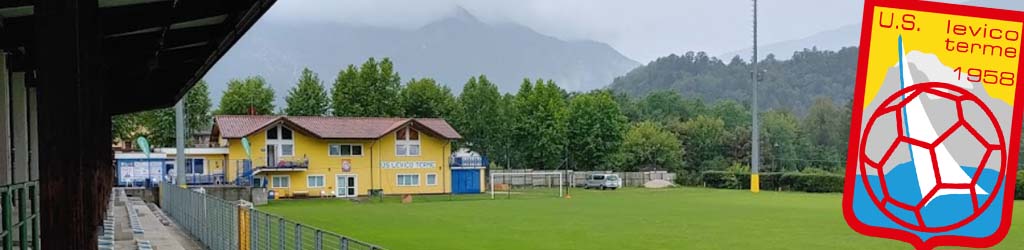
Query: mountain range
[(449, 50)]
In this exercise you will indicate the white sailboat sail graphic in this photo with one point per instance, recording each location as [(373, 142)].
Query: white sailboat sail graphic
[(917, 125)]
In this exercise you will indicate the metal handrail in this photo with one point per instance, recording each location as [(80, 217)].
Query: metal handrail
[(224, 225), (23, 198)]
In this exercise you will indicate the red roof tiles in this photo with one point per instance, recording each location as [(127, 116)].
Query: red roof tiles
[(237, 126)]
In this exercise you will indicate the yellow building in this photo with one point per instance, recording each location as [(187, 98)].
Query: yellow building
[(341, 156), (203, 166)]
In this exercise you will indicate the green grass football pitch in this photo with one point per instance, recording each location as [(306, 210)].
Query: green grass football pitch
[(679, 218)]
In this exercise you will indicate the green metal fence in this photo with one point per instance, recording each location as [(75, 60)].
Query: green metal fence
[(212, 221), (269, 231), (223, 225), (19, 207)]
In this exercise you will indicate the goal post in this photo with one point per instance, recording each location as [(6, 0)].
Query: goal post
[(516, 183)]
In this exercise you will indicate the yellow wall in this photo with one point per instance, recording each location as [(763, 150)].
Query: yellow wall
[(431, 149), (215, 163), (236, 153), (365, 167)]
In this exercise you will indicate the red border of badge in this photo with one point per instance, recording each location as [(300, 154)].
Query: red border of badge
[(855, 127)]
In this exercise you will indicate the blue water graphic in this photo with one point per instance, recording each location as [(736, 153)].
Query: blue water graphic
[(941, 211)]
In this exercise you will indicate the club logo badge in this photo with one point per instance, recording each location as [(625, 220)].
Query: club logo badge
[(936, 124)]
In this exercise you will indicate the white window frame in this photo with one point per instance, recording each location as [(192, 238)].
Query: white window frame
[(280, 141), (350, 150), (399, 183), (323, 181), (280, 149), (274, 185), (427, 179), (408, 143)]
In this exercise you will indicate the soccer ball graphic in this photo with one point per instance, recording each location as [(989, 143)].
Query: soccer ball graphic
[(918, 186)]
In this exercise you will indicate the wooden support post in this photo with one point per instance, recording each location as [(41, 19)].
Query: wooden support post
[(76, 170)]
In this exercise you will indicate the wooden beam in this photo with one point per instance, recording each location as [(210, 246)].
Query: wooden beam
[(148, 42), (240, 23), (76, 173), (15, 3), (137, 96), (16, 32), (176, 71), (124, 19)]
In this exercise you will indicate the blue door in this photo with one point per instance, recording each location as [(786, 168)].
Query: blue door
[(466, 181)]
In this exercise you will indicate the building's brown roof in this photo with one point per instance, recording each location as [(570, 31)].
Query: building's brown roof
[(238, 126)]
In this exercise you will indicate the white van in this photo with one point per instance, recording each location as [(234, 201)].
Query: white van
[(603, 181)]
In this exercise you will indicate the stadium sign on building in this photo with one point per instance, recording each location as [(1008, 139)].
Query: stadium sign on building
[(408, 164)]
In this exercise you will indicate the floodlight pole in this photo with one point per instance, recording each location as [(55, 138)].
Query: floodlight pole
[(755, 145), (179, 134)]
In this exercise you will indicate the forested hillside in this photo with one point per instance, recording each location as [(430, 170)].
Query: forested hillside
[(786, 84)]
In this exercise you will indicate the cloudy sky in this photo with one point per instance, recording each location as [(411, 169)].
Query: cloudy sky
[(642, 29)]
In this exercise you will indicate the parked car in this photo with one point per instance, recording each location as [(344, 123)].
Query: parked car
[(603, 181)]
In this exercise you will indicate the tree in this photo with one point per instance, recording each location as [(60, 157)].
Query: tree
[(668, 106), (384, 86), (425, 98), (242, 95), (595, 128), (786, 83), (822, 123), (125, 128), (629, 106), (826, 128), (308, 97), (197, 108), (370, 90), (732, 113), (539, 124), (345, 93), (703, 138), (782, 142), (648, 144), (503, 151), (737, 144), (844, 129), (159, 127), (479, 115)]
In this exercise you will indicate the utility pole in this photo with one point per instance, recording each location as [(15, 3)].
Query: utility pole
[(755, 144), (179, 134)]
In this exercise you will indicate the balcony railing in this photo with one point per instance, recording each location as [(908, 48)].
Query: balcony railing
[(288, 162), (469, 162)]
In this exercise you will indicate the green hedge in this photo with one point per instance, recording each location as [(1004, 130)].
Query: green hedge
[(814, 183), (720, 179), (795, 181), (770, 181)]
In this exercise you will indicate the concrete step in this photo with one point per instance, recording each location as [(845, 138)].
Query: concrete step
[(137, 225)]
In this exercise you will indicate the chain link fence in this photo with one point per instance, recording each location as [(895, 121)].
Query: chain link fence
[(224, 225)]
